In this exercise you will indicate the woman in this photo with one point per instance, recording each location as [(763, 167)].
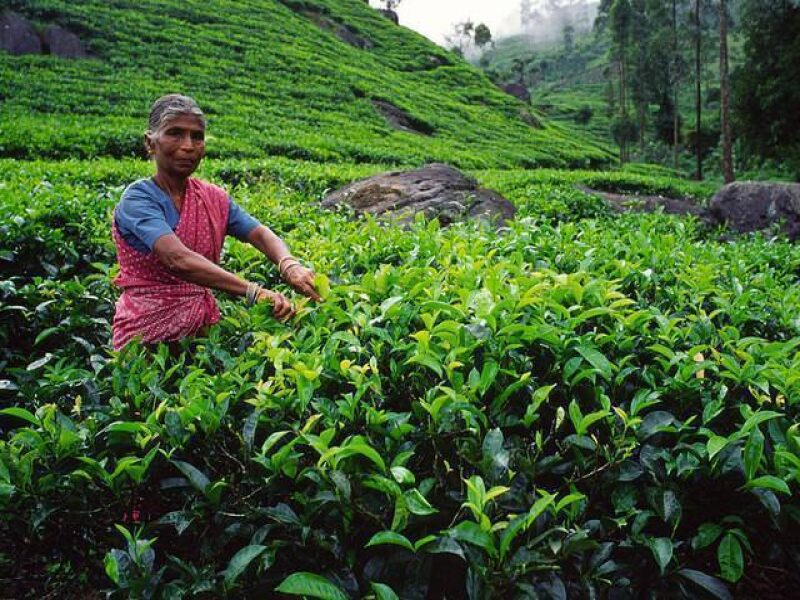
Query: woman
[(169, 231)]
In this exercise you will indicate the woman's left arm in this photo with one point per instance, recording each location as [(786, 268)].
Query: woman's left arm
[(292, 272)]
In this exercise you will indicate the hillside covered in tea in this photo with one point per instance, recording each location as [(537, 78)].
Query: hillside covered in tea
[(320, 80)]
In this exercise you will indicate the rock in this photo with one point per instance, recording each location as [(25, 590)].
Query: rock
[(391, 15), (517, 90), (60, 42), (750, 206), (436, 190), (400, 119), (17, 35)]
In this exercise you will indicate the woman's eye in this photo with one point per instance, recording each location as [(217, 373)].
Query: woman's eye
[(198, 136)]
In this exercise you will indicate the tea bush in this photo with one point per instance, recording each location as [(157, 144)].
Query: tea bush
[(579, 404)]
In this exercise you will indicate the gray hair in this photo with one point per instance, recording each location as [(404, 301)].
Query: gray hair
[(170, 107)]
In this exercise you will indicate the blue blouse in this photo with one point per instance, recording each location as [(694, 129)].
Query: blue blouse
[(146, 212)]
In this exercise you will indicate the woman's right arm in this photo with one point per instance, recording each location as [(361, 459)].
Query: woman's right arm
[(195, 268)]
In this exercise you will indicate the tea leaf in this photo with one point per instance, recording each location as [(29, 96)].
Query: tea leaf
[(731, 558), (770, 482), (383, 591), (390, 537), (662, 549), (710, 584), (20, 413), (310, 585), (240, 561)]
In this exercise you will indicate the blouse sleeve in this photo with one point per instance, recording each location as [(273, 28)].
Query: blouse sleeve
[(140, 218), (240, 224)]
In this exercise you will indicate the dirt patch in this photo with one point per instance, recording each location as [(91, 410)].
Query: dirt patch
[(648, 204), (344, 32), (400, 119), (322, 18)]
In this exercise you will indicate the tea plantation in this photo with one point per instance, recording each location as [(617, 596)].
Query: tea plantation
[(580, 404)]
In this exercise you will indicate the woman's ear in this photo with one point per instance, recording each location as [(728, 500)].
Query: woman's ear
[(148, 143)]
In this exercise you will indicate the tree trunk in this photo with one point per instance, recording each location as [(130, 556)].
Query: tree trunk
[(641, 125), (623, 109), (725, 93), (698, 107), (675, 110)]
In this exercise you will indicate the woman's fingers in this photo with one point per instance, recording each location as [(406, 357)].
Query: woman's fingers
[(281, 306), (308, 287), (302, 280)]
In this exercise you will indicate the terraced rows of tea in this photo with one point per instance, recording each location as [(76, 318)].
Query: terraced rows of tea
[(292, 78), (580, 404)]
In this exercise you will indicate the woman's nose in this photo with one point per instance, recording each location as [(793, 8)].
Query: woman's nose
[(187, 143)]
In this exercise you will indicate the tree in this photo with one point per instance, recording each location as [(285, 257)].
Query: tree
[(725, 94), (521, 68), (620, 17), (698, 97), (568, 33), (483, 36), (640, 30), (675, 78), (461, 38), (767, 85)]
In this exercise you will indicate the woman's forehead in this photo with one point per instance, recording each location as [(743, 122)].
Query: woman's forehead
[(186, 121)]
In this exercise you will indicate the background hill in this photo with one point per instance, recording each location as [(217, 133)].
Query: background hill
[(569, 88), (305, 79)]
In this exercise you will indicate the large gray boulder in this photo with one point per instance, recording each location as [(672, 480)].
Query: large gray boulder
[(60, 42), (17, 35), (436, 190), (750, 206)]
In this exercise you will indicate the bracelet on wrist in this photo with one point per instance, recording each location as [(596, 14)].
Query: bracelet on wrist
[(288, 257), (252, 293)]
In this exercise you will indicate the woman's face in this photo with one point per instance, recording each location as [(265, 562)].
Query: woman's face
[(178, 146)]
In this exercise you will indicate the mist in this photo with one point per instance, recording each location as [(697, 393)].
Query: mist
[(546, 22)]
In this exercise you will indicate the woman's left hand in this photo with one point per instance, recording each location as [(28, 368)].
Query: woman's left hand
[(302, 280)]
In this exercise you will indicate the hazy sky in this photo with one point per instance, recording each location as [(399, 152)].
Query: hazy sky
[(435, 18)]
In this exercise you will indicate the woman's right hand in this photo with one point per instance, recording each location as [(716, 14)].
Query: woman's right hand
[(281, 306)]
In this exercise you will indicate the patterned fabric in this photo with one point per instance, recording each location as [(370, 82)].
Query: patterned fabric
[(156, 305)]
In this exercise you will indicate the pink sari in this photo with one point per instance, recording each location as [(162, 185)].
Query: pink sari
[(156, 305)]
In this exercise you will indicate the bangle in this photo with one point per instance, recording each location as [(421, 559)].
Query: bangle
[(285, 258), (252, 293)]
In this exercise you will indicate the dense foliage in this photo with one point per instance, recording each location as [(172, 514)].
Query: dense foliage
[(276, 77), (768, 82), (578, 404), (668, 48)]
